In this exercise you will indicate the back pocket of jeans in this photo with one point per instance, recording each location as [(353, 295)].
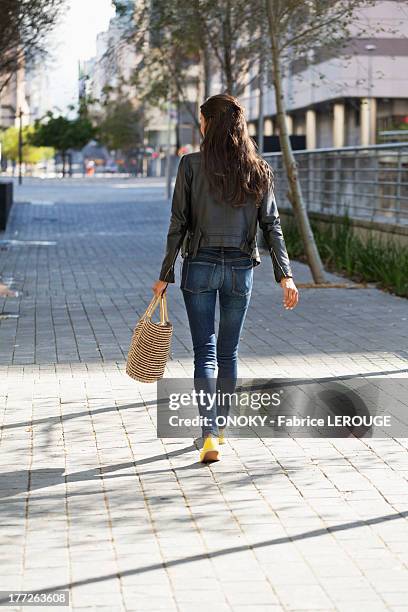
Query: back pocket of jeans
[(242, 278), (197, 276)]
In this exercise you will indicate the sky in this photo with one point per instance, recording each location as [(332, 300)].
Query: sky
[(72, 40)]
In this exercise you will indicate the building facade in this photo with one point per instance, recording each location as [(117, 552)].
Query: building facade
[(14, 99), (113, 64), (350, 98)]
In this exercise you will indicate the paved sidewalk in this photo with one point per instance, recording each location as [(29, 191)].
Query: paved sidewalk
[(91, 500)]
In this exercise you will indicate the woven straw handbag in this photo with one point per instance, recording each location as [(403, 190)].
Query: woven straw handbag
[(150, 345)]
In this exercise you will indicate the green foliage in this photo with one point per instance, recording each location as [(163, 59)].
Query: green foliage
[(171, 36), (120, 128), (376, 260), (31, 154), (401, 125), (62, 133)]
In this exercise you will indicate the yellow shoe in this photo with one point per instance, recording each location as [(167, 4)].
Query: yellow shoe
[(210, 451), (221, 436)]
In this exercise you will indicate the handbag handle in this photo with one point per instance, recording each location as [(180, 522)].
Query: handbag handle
[(163, 308)]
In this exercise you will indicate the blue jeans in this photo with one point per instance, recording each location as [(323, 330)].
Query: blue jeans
[(228, 272)]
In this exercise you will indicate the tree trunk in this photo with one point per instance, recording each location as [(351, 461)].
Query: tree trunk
[(261, 106), (204, 51), (64, 159), (178, 137), (227, 51), (70, 164), (207, 71), (295, 191)]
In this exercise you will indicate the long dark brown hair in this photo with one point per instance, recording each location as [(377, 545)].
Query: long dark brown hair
[(234, 169)]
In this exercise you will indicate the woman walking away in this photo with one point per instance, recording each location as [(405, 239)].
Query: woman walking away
[(221, 195)]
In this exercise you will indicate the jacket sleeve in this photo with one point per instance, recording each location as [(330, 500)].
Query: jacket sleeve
[(269, 222), (178, 221)]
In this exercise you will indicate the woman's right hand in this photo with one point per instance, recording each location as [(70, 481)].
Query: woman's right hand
[(290, 293)]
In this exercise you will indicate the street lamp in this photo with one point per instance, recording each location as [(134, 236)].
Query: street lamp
[(18, 115)]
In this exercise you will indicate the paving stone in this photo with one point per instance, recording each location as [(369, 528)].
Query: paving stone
[(90, 497)]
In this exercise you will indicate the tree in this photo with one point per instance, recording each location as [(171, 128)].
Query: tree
[(24, 25), (297, 27), (229, 32), (63, 134), (120, 127), (31, 154), (172, 36), (167, 48), (267, 36)]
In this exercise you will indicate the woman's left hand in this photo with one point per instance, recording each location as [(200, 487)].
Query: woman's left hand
[(290, 293), (159, 287)]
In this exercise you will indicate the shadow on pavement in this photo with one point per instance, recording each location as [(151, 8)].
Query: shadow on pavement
[(296, 381), (32, 480), (74, 415), (226, 551)]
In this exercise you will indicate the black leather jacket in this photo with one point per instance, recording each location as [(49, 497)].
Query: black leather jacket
[(197, 219)]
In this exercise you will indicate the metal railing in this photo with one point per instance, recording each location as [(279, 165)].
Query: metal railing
[(365, 182)]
